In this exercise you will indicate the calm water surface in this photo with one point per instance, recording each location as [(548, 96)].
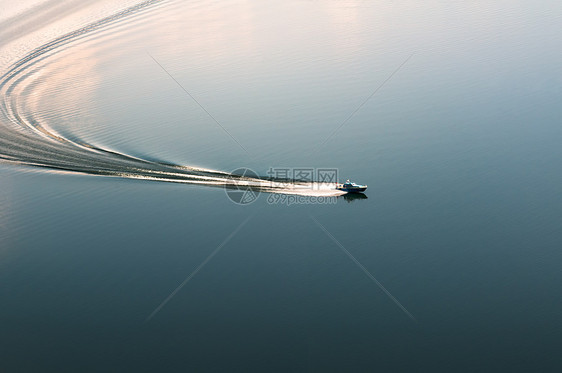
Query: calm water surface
[(460, 148)]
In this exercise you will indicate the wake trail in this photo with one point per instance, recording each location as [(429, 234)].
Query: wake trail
[(26, 141)]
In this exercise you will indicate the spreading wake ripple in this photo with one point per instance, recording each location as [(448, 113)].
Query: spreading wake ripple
[(26, 141)]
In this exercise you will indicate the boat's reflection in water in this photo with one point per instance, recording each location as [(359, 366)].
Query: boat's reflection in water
[(349, 197)]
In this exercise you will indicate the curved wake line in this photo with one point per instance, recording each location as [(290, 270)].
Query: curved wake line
[(25, 141)]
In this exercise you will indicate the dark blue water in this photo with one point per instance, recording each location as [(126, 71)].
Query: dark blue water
[(459, 147)]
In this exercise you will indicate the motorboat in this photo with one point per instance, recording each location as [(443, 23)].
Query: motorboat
[(351, 187)]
